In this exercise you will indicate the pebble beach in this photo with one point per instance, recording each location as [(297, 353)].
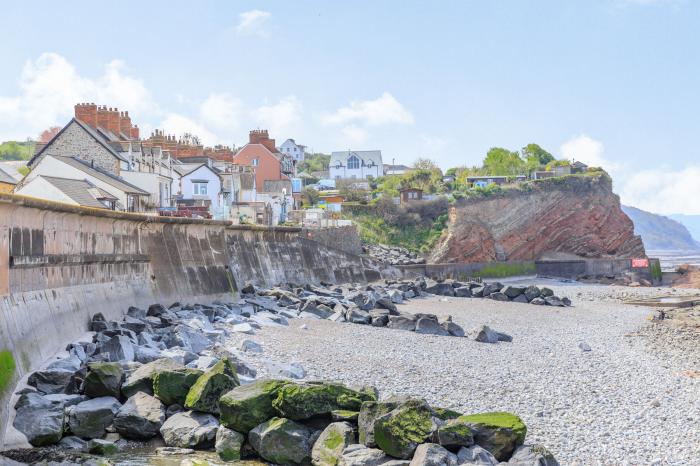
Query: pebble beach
[(624, 402)]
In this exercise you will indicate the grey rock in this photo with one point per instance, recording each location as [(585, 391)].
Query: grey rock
[(429, 326), (103, 379), (251, 346), (441, 289), (498, 296), (476, 455), (57, 376), (452, 328), (504, 337), (553, 301), (431, 454), (118, 348), (228, 444), (402, 322), (66, 399), (190, 429), (145, 354), (521, 298), (360, 455), (532, 455), (281, 441), (396, 296), (357, 316), (545, 292), (73, 443), (328, 448), (141, 380), (102, 447), (485, 334), (39, 419), (387, 303), (90, 418), (478, 292), (141, 417), (490, 288), (583, 346), (463, 292), (513, 291), (538, 302), (531, 292)]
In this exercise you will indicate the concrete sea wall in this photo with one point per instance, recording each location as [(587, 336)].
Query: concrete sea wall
[(61, 264)]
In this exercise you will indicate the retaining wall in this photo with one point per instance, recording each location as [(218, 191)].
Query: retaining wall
[(463, 271), (61, 264), (573, 269)]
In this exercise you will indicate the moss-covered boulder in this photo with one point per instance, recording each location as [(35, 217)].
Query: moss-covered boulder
[(171, 386), (103, 379), (228, 444), (249, 405), (454, 434), (281, 441), (328, 448), (303, 401), (141, 380), (205, 393), (399, 432), (102, 447), (370, 411), (500, 433)]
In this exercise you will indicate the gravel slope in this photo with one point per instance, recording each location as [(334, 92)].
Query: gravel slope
[(618, 404)]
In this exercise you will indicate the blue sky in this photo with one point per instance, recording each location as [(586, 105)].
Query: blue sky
[(611, 82)]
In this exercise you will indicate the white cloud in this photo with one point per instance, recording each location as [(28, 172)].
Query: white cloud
[(49, 87), (354, 135), (178, 125), (223, 111), (280, 118), (587, 150), (381, 111), (663, 191), (252, 22)]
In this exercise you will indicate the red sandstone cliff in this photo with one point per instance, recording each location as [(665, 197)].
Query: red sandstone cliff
[(577, 215)]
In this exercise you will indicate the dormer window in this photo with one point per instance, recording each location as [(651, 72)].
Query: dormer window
[(353, 163)]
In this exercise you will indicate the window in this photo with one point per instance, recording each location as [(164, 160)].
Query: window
[(255, 162), (199, 188), (353, 163)]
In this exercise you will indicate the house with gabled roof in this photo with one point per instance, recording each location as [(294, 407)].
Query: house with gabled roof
[(356, 164), (69, 191), (128, 197), (262, 154)]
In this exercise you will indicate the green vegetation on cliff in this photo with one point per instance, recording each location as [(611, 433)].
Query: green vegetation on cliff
[(416, 226)]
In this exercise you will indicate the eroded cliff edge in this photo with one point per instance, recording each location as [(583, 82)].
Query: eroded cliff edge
[(558, 217)]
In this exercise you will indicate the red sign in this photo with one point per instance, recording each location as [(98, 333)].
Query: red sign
[(640, 263)]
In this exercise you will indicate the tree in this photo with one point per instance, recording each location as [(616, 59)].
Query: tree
[(425, 164), (48, 134), (350, 191), (535, 152), (311, 196), (500, 161)]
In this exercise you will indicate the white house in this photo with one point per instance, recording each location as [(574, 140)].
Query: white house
[(294, 150), (128, 196), (359, 164), (199, 184), (69, 191)]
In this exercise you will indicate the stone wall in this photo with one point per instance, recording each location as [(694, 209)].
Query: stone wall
[(75, 141), (61, 264)]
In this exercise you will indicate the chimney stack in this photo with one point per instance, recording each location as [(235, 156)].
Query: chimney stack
[(87, 113)]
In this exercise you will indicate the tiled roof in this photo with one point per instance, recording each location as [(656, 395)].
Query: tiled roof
[(6, 178), (81, 191), (101, 175)]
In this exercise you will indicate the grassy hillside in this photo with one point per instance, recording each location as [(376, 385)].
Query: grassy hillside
[(659, 232)]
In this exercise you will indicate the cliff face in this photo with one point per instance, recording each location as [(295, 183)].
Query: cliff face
[(575, 215)]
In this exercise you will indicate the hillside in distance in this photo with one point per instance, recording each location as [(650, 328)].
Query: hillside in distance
[(659, 232)]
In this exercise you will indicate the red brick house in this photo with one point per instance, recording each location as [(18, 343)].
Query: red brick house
[(262, 154)]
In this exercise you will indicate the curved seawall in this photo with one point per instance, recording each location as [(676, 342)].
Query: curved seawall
[(61, 264)]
